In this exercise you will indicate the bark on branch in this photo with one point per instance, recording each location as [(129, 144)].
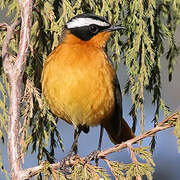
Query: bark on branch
[(14, 72)]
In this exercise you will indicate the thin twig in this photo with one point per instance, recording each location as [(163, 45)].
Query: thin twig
[(3, 26), (110, 167), (28, 113), (5, 45), (135, 161)]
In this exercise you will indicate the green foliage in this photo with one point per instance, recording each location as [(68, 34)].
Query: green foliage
[(149, 24), (87, 171), (43, 126), (171, 16), (3, 104), (13, 8), (79, 171), (3, 116), (49, 172), (129, 171), (144, 154)]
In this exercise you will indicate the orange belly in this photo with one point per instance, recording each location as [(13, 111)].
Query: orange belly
[(79, 88)]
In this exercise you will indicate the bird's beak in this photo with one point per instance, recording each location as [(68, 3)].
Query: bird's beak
[(114, 28)]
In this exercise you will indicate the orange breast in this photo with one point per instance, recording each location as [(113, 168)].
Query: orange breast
[(77, 83)]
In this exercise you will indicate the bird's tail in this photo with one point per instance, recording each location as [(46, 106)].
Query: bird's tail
[(120, 133)]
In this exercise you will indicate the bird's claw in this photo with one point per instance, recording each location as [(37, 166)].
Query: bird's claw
[(92, 156), (67, 162)]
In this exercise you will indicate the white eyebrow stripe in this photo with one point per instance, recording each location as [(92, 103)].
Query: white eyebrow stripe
[(79, 22)]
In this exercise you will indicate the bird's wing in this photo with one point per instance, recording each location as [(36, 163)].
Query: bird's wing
[(117, 128)]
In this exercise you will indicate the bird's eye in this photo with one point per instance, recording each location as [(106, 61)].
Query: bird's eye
[(93, 28)]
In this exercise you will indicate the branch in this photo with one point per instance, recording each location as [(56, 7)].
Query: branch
[(30, 172), (10, 29), (110, 167), (135, 161), (161, 126), (14, 72), (3, 26)]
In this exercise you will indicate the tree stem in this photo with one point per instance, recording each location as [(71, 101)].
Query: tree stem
[(14, 72)]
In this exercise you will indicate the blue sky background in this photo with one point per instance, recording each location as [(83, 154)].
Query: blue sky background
[(165, 154)]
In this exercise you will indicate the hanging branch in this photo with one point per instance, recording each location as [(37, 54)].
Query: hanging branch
[(14, 72)]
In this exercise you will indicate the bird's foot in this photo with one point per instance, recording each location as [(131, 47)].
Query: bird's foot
[(92, 156), (67, 162)]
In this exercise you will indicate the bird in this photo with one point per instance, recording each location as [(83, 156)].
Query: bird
[(79, 82)]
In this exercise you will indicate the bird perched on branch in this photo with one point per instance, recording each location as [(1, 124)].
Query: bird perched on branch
[(79, 83)]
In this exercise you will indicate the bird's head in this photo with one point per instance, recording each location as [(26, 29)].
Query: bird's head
[(89, 28)]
